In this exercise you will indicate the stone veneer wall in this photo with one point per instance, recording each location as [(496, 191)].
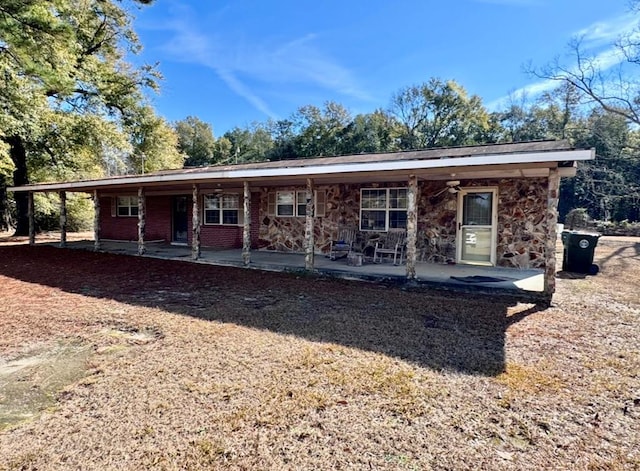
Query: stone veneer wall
[(521, 223)]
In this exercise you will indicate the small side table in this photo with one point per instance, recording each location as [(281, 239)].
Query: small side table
[(354, 259)]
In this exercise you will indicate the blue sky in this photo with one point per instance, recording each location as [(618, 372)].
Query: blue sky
[(233, 63)]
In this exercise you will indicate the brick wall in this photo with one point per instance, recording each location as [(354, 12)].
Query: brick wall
[(113, 227), (159, 227)]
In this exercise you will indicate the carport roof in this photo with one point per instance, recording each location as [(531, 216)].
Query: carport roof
[(526, 159)]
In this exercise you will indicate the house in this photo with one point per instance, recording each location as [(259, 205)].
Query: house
[(493, 205)]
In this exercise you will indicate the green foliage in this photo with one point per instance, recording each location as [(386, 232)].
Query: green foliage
[(70, 104), (79, 212), (240, 145), (196, 141), (437, 114), (369, 133), (155, 143)]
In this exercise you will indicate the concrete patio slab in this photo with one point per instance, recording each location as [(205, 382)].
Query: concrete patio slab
[(462, 277)]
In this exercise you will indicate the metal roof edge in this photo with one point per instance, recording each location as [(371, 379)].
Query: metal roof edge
[(208, 173)]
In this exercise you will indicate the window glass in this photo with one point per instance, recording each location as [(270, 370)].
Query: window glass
[(230, 202), (127, 206), (477, 209), (398, 198), (221, 209), (373, 220), (374, 199), (383, 209), (397, 219), (302, 203), (211, 202), (285, 203), (230, 216)]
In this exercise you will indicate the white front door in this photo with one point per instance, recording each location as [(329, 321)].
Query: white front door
[(477, 226)]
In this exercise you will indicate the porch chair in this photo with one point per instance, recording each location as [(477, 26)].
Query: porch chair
[(343, 244), (392, 244)]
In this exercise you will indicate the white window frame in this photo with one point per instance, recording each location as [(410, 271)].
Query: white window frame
[(387, 209), (220, 209), (299, 201), (131, 206)]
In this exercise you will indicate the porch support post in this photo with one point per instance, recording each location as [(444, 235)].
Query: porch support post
[(550, 246), (195, 239), (31, 216), (246, 228), (96, 221), (308, 228), (63, 219), (412, 226), (142, 221)]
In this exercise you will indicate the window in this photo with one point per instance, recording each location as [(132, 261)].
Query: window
[(291, 203), (294, 203), (301, 201), (221, 209), (382, 209), (285, 203), (127, 205)]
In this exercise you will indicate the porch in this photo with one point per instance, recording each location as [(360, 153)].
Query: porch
[(461, 277)]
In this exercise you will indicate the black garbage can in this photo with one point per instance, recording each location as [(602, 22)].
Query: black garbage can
[(579, 250)]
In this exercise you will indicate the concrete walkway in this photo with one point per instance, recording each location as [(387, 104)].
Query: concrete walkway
[(465, 277)]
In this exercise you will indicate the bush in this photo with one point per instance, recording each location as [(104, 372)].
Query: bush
[(47, 212), (622, 228), (577, 218)]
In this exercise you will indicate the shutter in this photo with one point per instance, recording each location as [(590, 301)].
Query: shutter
[(114, 209), (271, 203), (241, 209), (321, 203)]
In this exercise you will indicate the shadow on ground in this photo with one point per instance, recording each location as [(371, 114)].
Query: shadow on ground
[(435, 329)]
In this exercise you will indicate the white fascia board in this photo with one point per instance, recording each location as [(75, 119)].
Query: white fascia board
[(295, 171)]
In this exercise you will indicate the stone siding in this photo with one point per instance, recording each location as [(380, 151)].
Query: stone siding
[(521, 221)]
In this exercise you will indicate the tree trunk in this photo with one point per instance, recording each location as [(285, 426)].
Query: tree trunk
[(18, 154), (5, 213)]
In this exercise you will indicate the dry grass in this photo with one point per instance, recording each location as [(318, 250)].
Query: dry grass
[(200, 367)]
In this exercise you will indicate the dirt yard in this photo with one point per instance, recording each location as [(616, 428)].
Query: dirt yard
[(116, 362)]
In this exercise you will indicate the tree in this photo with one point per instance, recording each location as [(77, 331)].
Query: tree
[(554, 115), (155, 143), (196, 140), (320, 131), (437, 114), (67, 95), (609, 187), (371, 132), (615, 89), (249, 144)]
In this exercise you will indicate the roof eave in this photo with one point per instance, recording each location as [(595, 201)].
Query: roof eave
[(551, 158)]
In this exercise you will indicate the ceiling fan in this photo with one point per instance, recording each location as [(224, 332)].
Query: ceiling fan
[(453, 186)]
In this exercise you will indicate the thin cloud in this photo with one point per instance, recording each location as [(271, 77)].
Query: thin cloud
[(607, 31), (298, 61), (591, 38)]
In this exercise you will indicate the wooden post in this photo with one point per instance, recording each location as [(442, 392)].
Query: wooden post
[(412, 226), (195, 239), (246, 228), (550, 245), (308, 228), (96, 221), (63, 219), (31, 216), (142, 221)]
